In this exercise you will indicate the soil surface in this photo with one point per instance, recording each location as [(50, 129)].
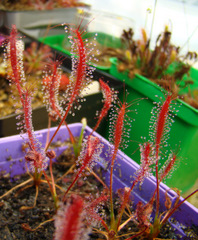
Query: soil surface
[(18, 223)]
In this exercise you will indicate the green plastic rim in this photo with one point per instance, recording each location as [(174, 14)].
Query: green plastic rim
[(183, 135), (57, 42), (153, 91)]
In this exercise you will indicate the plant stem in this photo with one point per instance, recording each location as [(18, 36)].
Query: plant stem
[(157, 188), (37, 177), (52, 179), (111, 195), (176, 207), (60, 124), (52, 190), (126, 199), (153, 19), (137, 234)]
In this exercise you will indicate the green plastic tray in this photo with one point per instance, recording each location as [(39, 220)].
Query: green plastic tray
[(193, 73), (184, 131), (59, 42)]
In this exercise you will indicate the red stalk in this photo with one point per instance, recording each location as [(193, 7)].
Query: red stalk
[(176, 207), (141, 173), (137, 234), (80, 68), (25, 95), (27, 108), (90, 208), (51, 84), (14, 60), (48, 181), (53, 184), (164, 174), (87, 156), (34, 156), (161, 122), (108, 95), (117, 139), (119, 124), (69, 221), (168, 168)]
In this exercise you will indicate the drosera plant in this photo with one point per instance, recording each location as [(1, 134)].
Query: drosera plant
[(146, 216), (77, 216), (81, 70), (36, 57), (80, 78), (152, 150), (37, 157), (112, 226), (115, 226), (56, 111), (69, 220)]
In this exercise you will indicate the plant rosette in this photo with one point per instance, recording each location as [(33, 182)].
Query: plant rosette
[(125, 168)]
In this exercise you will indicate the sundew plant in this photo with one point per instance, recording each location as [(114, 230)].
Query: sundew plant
[(107, 215)]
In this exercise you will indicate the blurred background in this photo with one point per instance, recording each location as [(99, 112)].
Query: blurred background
[(180, 15)]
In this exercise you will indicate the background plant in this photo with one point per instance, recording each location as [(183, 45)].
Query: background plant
[(164, 64), (38, 4)]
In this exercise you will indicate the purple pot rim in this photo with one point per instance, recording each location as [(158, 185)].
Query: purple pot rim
[(186, 206)]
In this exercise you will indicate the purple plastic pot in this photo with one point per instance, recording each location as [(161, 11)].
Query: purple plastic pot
[(12, 162)]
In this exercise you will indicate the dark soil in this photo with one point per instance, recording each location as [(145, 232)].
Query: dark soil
[(12, 219), (17, 224)]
